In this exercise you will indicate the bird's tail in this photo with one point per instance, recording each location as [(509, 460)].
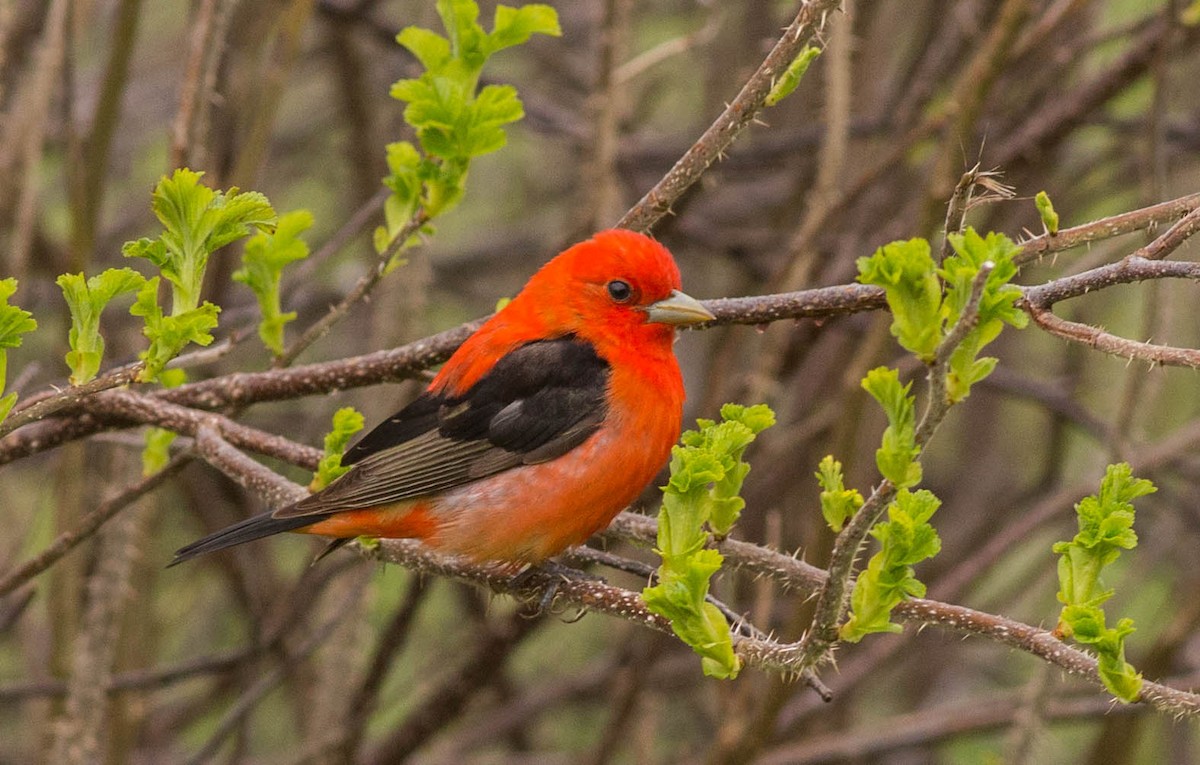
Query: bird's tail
[(254, 527)]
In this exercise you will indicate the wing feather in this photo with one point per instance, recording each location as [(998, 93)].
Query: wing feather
[(538, 402)]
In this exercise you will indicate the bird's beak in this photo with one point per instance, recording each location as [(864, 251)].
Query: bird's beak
[(678, 310)]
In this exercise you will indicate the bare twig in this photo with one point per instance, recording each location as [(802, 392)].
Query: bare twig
[(1094, 337), (361, 289), (1107, 228), (731, 122)]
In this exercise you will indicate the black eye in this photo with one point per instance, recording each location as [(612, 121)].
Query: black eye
[(619, 291)]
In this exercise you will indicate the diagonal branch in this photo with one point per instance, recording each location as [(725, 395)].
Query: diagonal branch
[(749, 101)]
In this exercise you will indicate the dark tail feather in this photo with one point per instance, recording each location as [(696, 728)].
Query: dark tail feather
[(255, 527)]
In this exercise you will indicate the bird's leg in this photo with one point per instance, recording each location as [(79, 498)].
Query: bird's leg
[(546, 577)]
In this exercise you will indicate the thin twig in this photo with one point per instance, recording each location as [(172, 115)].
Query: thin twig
[(1106, 228), (1094, 337), (749, 101), (361, 289)]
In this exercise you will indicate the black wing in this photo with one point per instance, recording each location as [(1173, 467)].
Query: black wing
[(538, 402)]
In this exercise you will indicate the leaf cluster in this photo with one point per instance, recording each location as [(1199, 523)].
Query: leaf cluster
[(927, 301), (197, 221), (263, 261), (838, 504), (702, 494), (86, 300), (906, 539), (454, 119), (1105, 529)]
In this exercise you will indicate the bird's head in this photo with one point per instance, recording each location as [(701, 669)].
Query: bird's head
[(617, 287)]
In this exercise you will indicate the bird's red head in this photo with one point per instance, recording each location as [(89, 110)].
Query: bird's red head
[(618, 290)]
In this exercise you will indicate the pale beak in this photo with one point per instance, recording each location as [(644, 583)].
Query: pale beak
[(678, 310)]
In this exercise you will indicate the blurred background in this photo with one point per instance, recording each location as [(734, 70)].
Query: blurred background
[(255, 657)]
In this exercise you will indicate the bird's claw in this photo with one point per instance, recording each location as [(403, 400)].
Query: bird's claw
[(547, 578)]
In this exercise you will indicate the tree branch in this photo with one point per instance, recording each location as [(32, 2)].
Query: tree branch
[(749, 101)]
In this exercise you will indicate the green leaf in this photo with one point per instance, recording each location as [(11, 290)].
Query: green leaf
[(907, 274), (197, 221), (906, 539), (86, 300), (997, 304), (14, 322), (1105, 529), (346, 422), (263, 262), (702, 493), (788, 81), (1045, 209), (514, 26), (680, 597), (430, 48), (838, 504), (896, 458), (168, 335), (157, 451)]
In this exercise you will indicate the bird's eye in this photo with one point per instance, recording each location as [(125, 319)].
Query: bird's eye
[(620, 291)]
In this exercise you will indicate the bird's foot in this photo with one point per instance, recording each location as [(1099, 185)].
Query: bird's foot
[(544, 580)]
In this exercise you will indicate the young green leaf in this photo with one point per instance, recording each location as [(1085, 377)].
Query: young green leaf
[(896, 458), (1086, 624), (197, 221), (838, 504), (790, 79), (346, 422), (997, 304), (14, 322), (86, 300), (707, 472), (157, 450), (1045, 209), (1105, 529), (906, 539), (169, 334), (263, 262), (908, 276), (454, 120), (514, 26)]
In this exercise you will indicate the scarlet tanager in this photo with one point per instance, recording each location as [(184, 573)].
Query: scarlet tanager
[(541, 427)]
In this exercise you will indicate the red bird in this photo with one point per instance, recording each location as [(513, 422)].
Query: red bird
[(545, 424)]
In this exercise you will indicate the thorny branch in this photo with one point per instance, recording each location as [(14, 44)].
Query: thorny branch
[(737, 116), (596, 595), (831, 605)]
